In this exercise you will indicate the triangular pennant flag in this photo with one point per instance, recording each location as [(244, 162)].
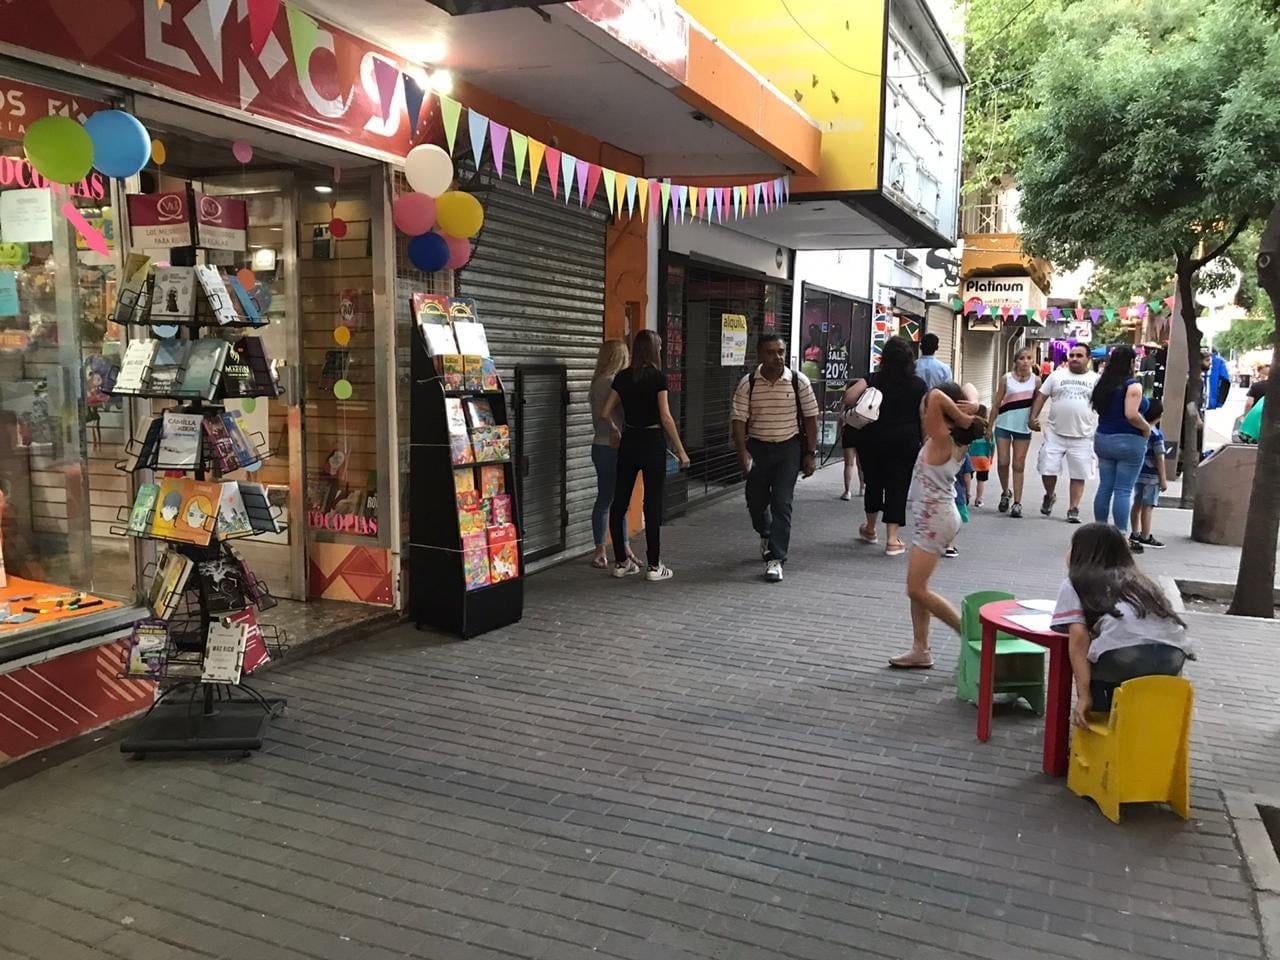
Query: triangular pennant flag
[(1095, 314), (724, 202), (655, 198), (581, 167), (610, 188), (553, 170), (593, 182), (1079, 312), (666, 199), (1110, 312), (1004, 311), (568, 166), (713, 196), (262, 19), (1142, 310), (1056, 313), (786, 188), (1168, 303), (631, 196), (385, 76), (302, 37), (982, 309), (519, 151), (620, 185), (498, 144), (682, 194), (537, 150), (757, 190), (956, 303), (777, 192), (413, 94), (348, 57), (695, 202), (737, 210), (642, 197), (478, 126), (450, 114)]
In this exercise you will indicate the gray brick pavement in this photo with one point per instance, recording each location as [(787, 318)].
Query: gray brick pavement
[(708, 768)]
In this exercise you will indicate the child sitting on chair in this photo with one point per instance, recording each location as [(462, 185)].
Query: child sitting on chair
[(1120, 623)]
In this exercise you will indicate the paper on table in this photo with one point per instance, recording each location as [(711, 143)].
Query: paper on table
[(1039, 622), (1044, 606)]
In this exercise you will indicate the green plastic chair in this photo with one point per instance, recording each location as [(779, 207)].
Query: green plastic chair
[(1019, 663)]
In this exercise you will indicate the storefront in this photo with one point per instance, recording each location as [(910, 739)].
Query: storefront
[(997, 315), (835, 349)]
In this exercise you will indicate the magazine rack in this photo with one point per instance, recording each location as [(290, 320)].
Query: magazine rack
[(439, 596), (191, 713)]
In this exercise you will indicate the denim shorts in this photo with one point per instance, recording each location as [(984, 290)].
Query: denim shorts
[(1002, 434), (1146, 493)]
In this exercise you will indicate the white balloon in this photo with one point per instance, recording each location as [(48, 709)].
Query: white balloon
[(429, 170)]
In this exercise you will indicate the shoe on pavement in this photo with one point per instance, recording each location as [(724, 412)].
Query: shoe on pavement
[(846, 496), (1073, 515), (660, 572), (1046, 505), (773, 571), (764, 548), (951, 553), (977, 503), (1015, 511), (628, 569), (1134, 537), (1150, 541), (1135, 546), (1003, 506)]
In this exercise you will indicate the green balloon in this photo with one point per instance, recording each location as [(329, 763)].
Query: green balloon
[(59, 148), (342, 389)]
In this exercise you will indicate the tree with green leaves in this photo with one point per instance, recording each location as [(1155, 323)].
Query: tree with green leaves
[(1134, 152)]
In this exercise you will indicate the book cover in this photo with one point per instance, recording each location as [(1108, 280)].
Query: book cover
[(179, 441), (459, 441), (475, 560), (491, 444), (204, 369), (225, 590), (479, 412), (255, 644), (173, 297), (233, 518), (148, 447), (254, 353), (256, 589), (172, 570), (167, 366), (464, 480), (489, 375), (504, 553), (261, 517), (463, 309), (246, 449), (500, 512), (248, 308), (493, 481), (431, 312), (222, 448), (452, 371), (135, 366), (473, 373), (322, 490), (196, 521), (148, 650), (224, 652), (130, 302), (216, 295), (144, 507), (237, 376)]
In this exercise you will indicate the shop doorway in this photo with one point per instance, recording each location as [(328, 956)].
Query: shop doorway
[(542, 404)]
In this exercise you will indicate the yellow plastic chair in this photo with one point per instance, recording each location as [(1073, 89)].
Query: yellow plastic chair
[(1140, 752)]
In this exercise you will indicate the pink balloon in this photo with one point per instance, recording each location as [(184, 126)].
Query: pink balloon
[(242, 150), (413, 213), (459, 252), (337, 228)]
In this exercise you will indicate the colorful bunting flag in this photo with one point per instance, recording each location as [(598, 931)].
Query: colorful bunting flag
[(568, 164), (620, 185), (1056, 313), (262, 19), (666, 199), (450, 114), (478, 127), (580, 168), (537, 150), (1110, 312), (642, 197), (655, 198), (631, 195), (303, 33), (413, 94), (610, 187), (1095, 314), (386, 76), (498, 144), (593, 182), (519, 152), (682, 194)]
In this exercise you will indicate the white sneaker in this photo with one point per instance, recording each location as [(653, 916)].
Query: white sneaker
[(764, 548), (661, 572), (846, 496), (773, 571), (628, 569)]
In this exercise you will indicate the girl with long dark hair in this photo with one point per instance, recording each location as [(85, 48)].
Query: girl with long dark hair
[(887, 448), (641, 391), (1121, 440), (1120, 624)]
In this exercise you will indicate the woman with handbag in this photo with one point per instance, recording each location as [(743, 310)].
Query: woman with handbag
[(888, 445)]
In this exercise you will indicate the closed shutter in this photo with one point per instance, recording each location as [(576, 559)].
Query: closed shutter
[(977, 361), (537, 277), (941, 322)]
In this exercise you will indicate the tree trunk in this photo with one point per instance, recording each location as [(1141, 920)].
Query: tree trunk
[(1192, 436), (1255, 581)]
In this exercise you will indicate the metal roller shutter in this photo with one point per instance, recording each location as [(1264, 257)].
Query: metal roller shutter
[(977, 361), (941, 322), (537, 276)]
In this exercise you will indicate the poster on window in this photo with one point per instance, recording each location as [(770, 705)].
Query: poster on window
[(732, 339), (1081, 331)]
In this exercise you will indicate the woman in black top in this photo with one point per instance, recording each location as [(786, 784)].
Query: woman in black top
[(888, 447), (641, 390)]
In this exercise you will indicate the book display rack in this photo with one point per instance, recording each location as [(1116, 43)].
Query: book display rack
[(465, 555), (203, 638)]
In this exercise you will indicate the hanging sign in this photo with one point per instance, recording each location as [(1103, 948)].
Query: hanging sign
[(733, 340), (221, 223), (26, 216), (159, 221)]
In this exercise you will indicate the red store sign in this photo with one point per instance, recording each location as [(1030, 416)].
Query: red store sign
[(202, 47), (163, 221)]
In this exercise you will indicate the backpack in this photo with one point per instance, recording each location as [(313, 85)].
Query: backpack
[(866, 410), (795, 388)]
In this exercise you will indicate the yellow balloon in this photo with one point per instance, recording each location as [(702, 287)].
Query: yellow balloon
[(158, 153), (342, 336), (459, 214)]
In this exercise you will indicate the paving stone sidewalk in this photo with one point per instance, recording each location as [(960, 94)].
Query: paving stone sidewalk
[(712, 767)]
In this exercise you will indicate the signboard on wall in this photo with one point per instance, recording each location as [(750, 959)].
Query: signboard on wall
[(159, 221), (1019, 294), (221, 223), (733, 340)]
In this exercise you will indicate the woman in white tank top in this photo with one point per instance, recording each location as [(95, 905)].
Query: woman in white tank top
[(1011, 428)]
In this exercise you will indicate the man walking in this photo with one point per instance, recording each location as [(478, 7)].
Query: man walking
[(1069, 435), (929, 368), (775, 429)]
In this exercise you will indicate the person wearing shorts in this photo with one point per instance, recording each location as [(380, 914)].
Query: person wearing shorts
[(1151, 480), (1012, 433), (1068, 432), (849, 447), (980, 452)]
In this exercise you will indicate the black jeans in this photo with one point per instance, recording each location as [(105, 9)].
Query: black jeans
[(887, 465), (640, 452), (1116, 666), (771, 488)]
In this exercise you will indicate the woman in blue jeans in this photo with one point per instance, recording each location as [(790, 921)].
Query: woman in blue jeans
[(613, 358), (1121, 440)]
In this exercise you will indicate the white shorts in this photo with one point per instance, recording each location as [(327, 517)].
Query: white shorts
[(1077, 452)]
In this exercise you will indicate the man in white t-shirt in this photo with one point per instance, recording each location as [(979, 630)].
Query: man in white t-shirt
[(1068, 437)]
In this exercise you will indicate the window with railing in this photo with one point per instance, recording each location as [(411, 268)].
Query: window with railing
[(979, 218)]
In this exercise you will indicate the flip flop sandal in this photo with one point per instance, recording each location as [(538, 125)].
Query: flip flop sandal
[(600, 563), (907, 663), (895, 549), (862, 535)]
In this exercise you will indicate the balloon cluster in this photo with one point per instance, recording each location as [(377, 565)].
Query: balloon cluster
[(64, 151), (454, 215)]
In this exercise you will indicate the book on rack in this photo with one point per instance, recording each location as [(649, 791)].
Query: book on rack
[(131, 300), (473, 372), (451, 371), (246, 449), (224, 651), (165, 595), (233, 518), (248, 371), (504, 553), (167, 366), (143, 511), (431, 311), (147, 447), (464, 480), (255, 589), (173, 297), (493, 481), (491, 444), (255, 644), (258, 507), (135, 366), (204, 369), (467, 328), (500, 510), (217, 295), (247, 306), (148, 650), (180, 434), (479, 412), (459, 442), (186, 510), (475, 560), (489, 375), (222, 447), (470, 514)]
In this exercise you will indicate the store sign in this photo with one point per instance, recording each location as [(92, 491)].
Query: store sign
[(1019, 294), (309, 73), (658, 30), (221, 223), (21, 104), (733, 340), (159, 221)]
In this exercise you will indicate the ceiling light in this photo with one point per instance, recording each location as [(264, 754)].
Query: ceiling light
[(264, 259), (442, 82), (323, 188)]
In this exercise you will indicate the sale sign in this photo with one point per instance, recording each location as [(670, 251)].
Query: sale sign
[(160, 221)]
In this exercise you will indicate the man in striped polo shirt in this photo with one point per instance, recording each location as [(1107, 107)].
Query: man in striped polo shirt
[(775, 428)]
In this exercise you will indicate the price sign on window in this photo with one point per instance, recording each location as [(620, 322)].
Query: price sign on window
[(733, 340)]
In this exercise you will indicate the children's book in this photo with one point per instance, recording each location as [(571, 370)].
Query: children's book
[(173, 297), (217, 295), (493, 481), (179, 441), (135, 367), (431, 312), (233, 518), (479, 412), (473, 373), (167, 366), (148, 650), (504, 553), (224, 651), (452, 371), (186, 510), (131, 302), (491, 444), (489, 375), (144, 508), (172, 570), (459, 441), (500, 510), (464, 480), (475, 560), (204, 369)]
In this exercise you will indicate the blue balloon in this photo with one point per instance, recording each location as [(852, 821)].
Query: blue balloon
[(429, 252), (121, 145)]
